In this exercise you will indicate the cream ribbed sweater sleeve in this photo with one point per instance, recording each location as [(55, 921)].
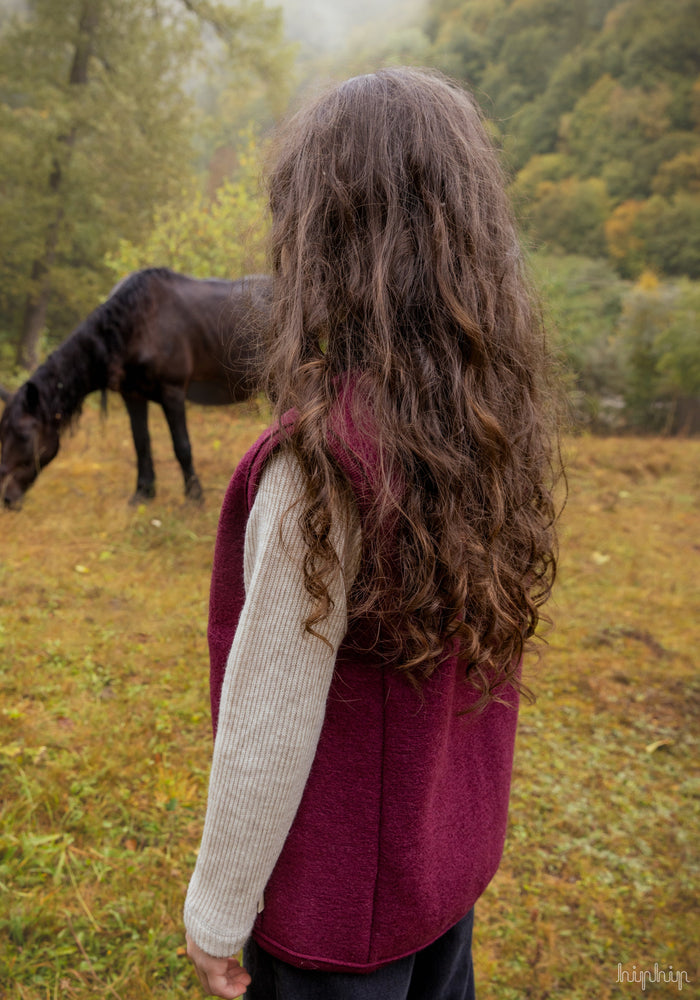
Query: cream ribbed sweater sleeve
[(272, 709)]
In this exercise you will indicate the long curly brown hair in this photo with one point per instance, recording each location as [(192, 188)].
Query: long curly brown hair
[(396, 263)]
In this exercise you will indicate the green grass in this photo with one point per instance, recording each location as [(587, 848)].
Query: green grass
[(105, 738)]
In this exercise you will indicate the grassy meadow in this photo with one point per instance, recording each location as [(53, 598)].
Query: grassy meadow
[(105, 737)]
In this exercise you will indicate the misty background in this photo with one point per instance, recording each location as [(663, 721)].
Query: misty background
[(322, 27)]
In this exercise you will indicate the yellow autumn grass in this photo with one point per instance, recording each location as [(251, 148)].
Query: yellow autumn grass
[(105, 739)]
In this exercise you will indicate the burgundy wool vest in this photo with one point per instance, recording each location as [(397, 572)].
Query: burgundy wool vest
[(403, 819)]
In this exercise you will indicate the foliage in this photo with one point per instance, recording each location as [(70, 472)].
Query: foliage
[(670, 233), (583, 299), (97, 124), (221, 237), (596, 104), (597, 107), (569, 215), (630, 354), (106, 739), (110, 173), (659, 334), (599, 100)]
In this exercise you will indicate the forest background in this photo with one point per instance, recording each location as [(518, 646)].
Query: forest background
[(132, 134)]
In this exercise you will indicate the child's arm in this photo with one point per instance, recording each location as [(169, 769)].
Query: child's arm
[(272, 709)]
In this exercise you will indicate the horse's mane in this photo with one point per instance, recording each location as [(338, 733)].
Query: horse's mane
[(81, 364)]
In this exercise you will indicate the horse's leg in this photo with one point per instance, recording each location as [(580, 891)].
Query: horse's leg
[(173, 403), (137, 407)]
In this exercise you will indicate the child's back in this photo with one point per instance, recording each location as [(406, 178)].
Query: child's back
[(403, 498)]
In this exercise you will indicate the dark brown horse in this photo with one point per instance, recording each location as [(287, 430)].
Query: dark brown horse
[(160, 336)]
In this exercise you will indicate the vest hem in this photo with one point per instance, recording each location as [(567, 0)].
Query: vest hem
[(318, 964)]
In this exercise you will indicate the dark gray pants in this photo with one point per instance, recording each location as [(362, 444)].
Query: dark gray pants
[(442, 971)]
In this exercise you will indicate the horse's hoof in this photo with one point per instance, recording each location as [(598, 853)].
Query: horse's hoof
[(193, 490), (142, 496)]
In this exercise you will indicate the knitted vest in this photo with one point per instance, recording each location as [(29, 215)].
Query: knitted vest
[(403, 819)]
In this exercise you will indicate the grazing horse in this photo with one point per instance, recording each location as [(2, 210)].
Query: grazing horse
[(159, 336)]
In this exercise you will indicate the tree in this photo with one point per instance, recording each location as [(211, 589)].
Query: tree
[(539, 170), (583, 300), (64, 141), (678, 345), (660, 328), (682, 173), (660, 233), (611, 86), (625, 246), (670, 230), (569, 215), (94, 109), (220, 237)]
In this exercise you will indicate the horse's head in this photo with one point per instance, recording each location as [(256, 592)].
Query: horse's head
[(29, 439)]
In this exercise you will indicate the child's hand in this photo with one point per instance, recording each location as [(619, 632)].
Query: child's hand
[(220, 977)]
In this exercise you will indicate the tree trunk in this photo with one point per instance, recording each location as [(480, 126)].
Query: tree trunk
[(34, 317)]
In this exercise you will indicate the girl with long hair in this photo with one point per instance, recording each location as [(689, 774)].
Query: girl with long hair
[(383, 554)]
